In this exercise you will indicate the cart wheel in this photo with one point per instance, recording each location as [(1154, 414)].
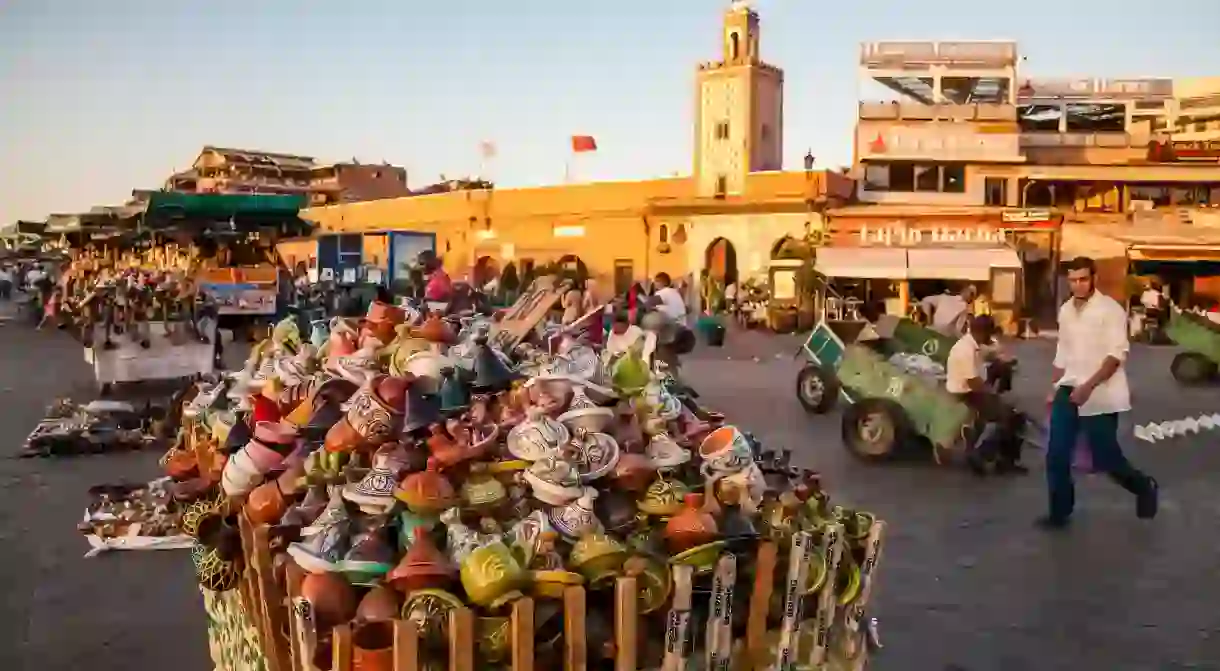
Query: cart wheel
[(1190, 369), (817, 389), (874, 428)]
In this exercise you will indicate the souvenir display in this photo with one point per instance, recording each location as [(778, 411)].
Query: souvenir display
[(99, 426), (409, 468)]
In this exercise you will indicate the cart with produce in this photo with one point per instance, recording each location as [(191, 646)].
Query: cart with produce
[(1199, 337), (892, 406), (817, 387)]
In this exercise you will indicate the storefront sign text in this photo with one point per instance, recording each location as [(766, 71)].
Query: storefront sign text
[(1178, 151), (902, 236), (938, 142)]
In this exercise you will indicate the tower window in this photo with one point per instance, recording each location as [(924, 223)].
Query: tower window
[(722, 130), (722, 185), (663, 234), (734, 46)]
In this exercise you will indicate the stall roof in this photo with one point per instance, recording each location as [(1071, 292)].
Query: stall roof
[(224, 205)]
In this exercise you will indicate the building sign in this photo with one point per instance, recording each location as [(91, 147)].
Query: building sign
[(1151, 88), (1179, 151), (937, 142), (1028, 216), (901, 235)]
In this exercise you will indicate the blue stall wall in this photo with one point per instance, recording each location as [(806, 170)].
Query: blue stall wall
[(405, 248), (337, 252)]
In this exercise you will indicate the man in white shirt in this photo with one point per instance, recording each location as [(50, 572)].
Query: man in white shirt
[(668, 300), (966, 377), (949, 312), (1089, 392)]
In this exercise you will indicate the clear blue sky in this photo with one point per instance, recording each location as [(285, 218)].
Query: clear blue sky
[(101, 96)]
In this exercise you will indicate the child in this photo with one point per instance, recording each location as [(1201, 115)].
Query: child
[(50, 310)]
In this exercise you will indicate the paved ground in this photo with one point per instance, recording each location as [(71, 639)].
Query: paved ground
[(966, 583)]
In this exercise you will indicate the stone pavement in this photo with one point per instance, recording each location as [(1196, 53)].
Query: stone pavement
[(966, 584)]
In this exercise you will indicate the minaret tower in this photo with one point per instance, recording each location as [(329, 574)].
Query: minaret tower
[(739, 110)]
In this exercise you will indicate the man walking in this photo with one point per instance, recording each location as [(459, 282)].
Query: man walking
[(1089, 391)]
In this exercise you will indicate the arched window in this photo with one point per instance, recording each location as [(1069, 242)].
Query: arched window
[(663, 233), (734, 46)]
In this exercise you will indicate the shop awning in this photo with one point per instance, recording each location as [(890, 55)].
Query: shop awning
[(958, 263), (862, 262)]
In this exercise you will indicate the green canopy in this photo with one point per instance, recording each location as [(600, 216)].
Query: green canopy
[(223, 205)]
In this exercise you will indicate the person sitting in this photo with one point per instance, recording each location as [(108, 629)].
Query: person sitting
[(970, 379)]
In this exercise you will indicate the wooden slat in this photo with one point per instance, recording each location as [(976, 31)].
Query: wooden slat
[(271, 595), (626, 623), (760, 604), (523, 635), (575, 647), (300, 628), (461, 640), (406, 646), (341, 648)]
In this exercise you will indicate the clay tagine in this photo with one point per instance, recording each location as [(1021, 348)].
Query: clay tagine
[(422, 567), (427, 492), (691, 527)]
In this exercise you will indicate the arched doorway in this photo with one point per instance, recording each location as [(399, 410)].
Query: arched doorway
[(719, 271), (789, 247), (720, 261), (485, 270)]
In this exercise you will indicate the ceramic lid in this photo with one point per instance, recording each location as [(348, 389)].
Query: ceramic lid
[(428, 487), (274, 433), (422, 560)]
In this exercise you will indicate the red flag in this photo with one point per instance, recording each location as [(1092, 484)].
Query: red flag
[(583, 143)]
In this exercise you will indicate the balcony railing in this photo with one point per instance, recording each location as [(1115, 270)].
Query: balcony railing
[(911, 54), (883, 111)]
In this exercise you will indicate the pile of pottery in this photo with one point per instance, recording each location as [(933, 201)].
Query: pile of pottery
[(101, 426), (129, 510), (412, 468)]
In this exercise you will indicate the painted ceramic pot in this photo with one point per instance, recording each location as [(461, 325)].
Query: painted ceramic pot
[(427, 492), (664, 452), (553, 481), (379, 603), (577, 518), (725, 451), (332, 599), (493, 636), (481, 491), (598, 557), (266, 504), (653, 580), (663, 498), (342, 437), (702, 558), (263, 457), (691, 527), (373, 416), (596, 454), (373, 645), (537, 437), (370, 556), (747, 486), (584, 414), (382, 319), (240, 475), (633, 472), (422, 567), (427, 369), (375, 491), (428, 610), (491, 575), (435, 330)]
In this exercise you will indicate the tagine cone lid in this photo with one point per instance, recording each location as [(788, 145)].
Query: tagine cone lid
[(490, 373), (435, 330), (422, 410), (422, 566)]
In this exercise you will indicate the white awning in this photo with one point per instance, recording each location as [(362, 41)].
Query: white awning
[(958, 263), (862, 262)]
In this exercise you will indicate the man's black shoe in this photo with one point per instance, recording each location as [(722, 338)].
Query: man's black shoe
[(1049, 523), (1146, 503)]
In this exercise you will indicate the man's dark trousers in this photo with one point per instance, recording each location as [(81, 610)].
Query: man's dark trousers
[(1101, 434)]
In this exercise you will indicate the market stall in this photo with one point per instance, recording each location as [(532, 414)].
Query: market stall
[(410, 496)]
